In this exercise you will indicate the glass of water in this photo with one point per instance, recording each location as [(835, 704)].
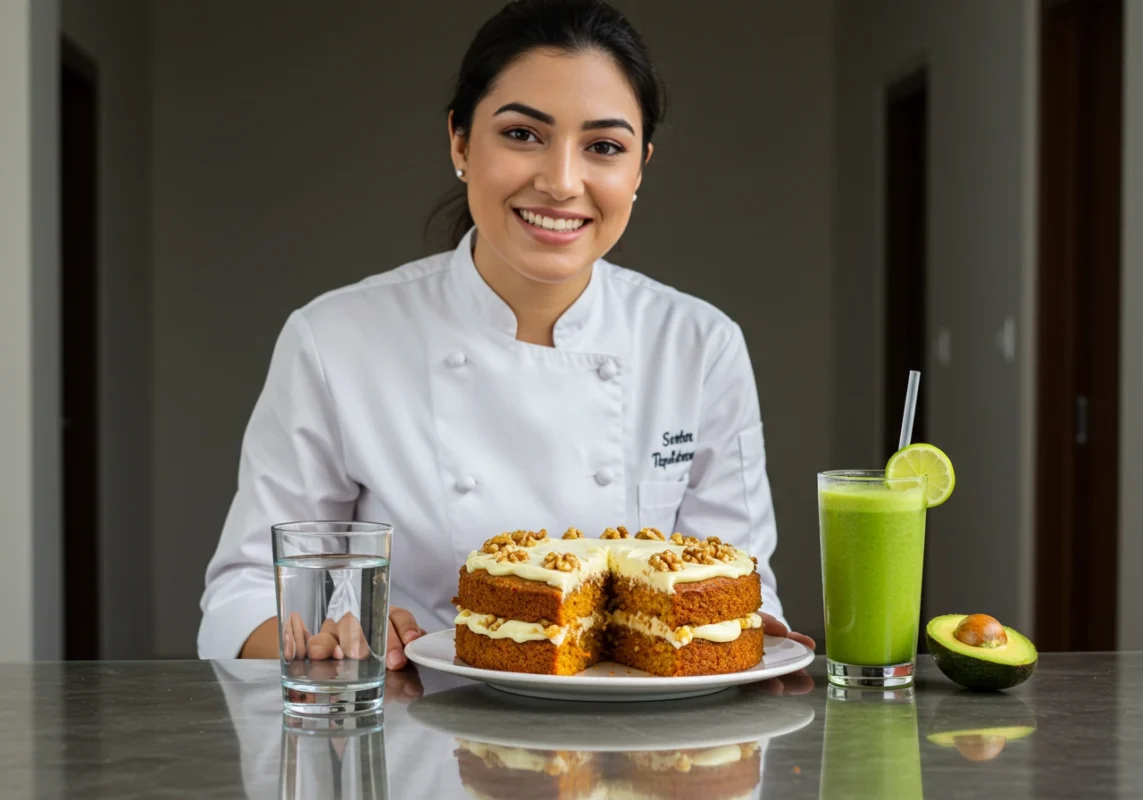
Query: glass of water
[(332, 582)]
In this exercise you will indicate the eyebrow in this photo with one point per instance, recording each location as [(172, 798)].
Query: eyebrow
[(548, 119)]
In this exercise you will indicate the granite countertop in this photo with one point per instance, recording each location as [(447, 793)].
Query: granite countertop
[(215, 729)]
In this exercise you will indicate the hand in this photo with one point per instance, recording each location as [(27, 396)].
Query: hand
[(403, 629), (295, 638), (773, 627)]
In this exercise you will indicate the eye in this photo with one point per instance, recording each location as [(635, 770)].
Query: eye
[(605, 148), (521, 135)]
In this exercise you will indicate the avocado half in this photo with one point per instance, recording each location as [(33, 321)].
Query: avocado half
[(979, 727), (989, 668)]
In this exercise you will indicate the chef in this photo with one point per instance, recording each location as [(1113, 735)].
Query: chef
[(517, 381)]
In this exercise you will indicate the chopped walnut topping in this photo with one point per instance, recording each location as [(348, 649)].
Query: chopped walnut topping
[(623, 534), (650, 533), (513, 555), (561, 562), (725, 552), (666, 561), (679, 539), (615, 533), (573, 533), (551, 631), (698, 555), (713, 540), (495, 624), (497, 542)]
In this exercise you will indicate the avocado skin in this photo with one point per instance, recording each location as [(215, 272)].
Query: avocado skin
[(979, 673)]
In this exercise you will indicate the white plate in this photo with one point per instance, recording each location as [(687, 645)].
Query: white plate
[(607, 681), (731, 717)]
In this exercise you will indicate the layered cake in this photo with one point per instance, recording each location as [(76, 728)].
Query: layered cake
[(493, 772), (678, 606)]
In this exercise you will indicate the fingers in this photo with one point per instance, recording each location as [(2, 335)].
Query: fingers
[(322, 645), (351, 637), (404, 686), (772, 626), (801, 638), (395, 651), (403, 628)]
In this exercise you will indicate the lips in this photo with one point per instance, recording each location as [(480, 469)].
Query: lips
[(559, 224)]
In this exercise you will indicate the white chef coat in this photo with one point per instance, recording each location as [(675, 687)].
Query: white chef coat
[(406, 399)]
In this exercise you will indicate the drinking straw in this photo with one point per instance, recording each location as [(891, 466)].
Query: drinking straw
[(910, 409)]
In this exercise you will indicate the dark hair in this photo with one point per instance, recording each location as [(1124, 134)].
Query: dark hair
[(570, 26)]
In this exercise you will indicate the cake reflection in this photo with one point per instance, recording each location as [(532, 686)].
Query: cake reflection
[(724, 772)]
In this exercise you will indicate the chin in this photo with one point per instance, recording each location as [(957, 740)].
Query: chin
[(550, 269)]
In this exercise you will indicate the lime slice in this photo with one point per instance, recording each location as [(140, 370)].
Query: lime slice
[(924, 459)]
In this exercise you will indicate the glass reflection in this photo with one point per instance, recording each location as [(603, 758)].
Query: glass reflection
[(333, 758), (871, 747)]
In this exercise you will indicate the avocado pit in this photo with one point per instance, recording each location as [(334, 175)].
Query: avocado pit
[(981, 630)]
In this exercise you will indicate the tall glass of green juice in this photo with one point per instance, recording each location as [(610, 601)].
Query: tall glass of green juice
[(873, 548)]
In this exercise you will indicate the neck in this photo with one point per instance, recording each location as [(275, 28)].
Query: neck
[(537, 305)]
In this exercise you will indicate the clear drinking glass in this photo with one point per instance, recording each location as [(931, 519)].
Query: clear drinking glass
[(873, 547), (332, 583)]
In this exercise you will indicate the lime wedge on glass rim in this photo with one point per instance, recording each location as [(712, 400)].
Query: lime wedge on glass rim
[(928, 460)]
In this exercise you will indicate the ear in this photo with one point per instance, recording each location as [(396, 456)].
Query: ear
[(639, 180), (458, 145)]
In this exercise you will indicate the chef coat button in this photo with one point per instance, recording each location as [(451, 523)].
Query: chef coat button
[(608, 370), (604, 476), (456, 359), (466, 484)]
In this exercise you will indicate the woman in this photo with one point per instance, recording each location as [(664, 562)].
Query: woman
[(517, 381)]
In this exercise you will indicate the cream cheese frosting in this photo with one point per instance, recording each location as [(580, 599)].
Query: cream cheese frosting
[(628, 558), (518, 630), (726, 631), (631, 559), (591, 554)]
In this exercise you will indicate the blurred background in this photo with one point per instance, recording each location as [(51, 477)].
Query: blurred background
[(866, 186)]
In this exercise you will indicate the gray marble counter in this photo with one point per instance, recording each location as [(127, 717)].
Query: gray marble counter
[(207, 730)]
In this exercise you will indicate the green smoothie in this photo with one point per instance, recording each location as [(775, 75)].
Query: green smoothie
[(873, 546)]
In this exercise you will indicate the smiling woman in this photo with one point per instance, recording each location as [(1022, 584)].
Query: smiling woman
[(539, 385)]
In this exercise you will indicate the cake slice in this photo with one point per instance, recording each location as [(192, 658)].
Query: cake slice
[(684, 606), (528, 603)]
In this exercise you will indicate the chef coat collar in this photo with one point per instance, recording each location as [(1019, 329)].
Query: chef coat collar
[(492, 309)]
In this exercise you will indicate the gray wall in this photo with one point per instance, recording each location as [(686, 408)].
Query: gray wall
[(116, 34), (1131, 426), (981, 83), (305, 151), (29, 325)]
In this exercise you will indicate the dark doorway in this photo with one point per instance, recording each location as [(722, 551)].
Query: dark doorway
[(1077, 458), (906, 219), (79, 287), (906, 182)]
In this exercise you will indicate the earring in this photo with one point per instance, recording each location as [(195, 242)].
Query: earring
[(460, 173), (634, 197)]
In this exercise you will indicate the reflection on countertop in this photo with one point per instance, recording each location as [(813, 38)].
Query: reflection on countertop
[(216, 730)]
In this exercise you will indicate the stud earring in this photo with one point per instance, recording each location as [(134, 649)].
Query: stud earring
[(460, 173), (634, 197)]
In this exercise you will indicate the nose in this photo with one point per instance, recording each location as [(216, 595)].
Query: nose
[(561, 174)]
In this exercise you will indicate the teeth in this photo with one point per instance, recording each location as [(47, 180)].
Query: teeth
[(550, 224)]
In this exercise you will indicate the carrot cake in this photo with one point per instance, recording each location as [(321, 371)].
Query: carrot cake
[(678, 606), (494, 772)]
